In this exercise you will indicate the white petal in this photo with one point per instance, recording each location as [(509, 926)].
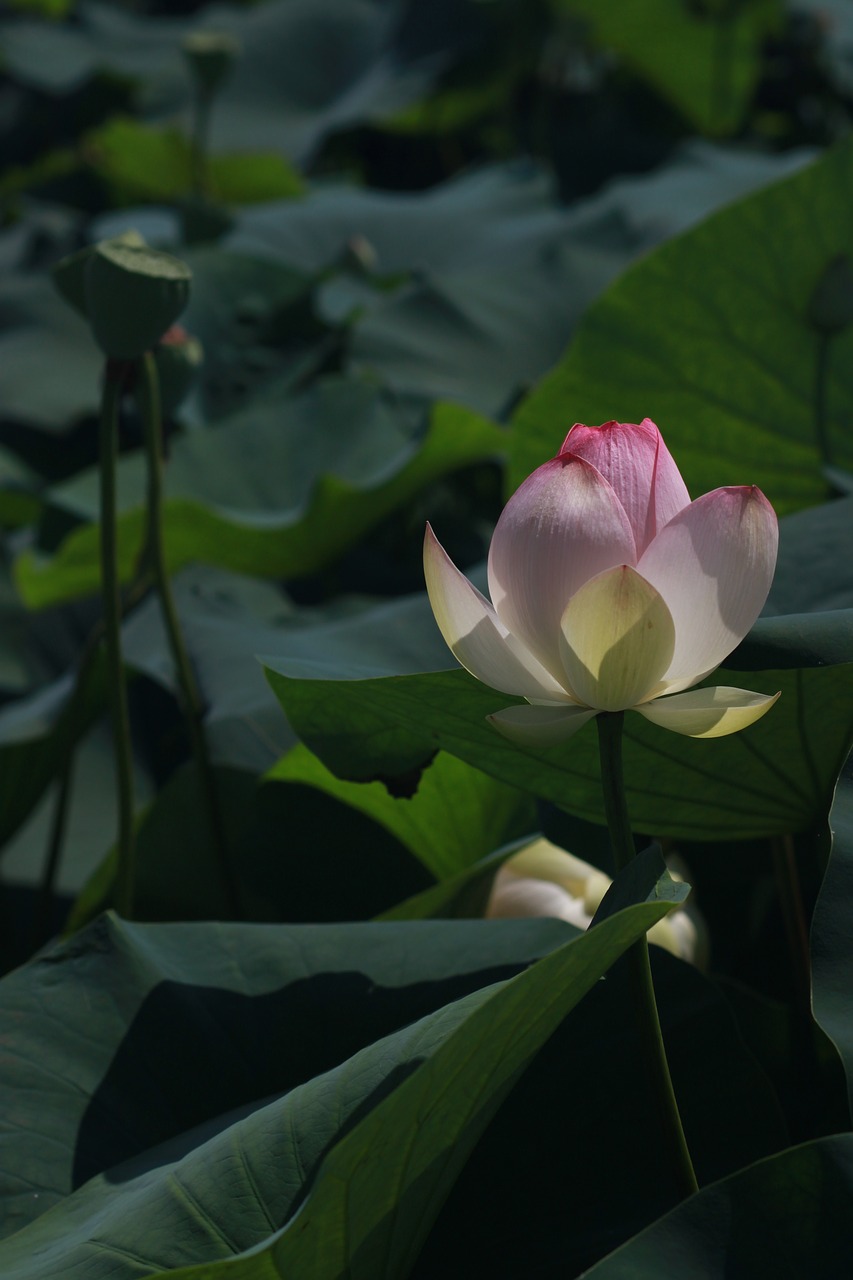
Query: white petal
[(713, 564), (515, 896), (559, 529), (540, 726), (708, 713), (642, 471), (618, 639), (679, 933), (474, 634), (543, 860)]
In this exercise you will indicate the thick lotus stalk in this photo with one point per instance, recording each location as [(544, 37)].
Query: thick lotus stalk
[(612, 591)]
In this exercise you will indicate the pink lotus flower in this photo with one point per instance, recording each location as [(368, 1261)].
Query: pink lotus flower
[(611, 591)]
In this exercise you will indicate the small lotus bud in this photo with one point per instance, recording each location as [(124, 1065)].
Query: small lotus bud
[(69, 274), (210, 55), (360, 254), (831, 304), (133, 296), (179, 357)]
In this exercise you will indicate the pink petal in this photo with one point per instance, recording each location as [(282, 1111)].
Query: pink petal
[(540, 726), (708, 713), (559, 529), (474, 634), (637, 463), (713, 564)]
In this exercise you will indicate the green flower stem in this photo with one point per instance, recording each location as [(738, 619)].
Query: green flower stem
[(115, 375), (74, 714), (202, 109), (790, 894), (148, 394), (721, 66), (43, 914), (639, 971)]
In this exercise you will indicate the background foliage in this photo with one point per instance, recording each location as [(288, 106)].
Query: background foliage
[(424, 240)]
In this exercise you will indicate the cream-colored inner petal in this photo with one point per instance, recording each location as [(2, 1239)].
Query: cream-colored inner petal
[(617, 640)]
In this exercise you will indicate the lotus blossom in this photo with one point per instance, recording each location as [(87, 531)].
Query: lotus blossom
[(612, 591), (543, 880)]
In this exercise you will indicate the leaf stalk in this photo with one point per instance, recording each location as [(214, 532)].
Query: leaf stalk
[(148, 397), (638, 968), (115, 376)]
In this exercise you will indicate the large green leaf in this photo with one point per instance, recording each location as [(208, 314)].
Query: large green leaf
[(808, 617), (704, 57), (573, 1164), (709, 335), (39, 332), (293, 853), (786, 1216), (318, 1184), (775, 777), (498, 216), (86, 1027), (796, 640), (543, 1169), (227, 619), (813, 571), (254, 320), (280, 491), (479, 338), (477, 284), (35, 733), (143, 163)]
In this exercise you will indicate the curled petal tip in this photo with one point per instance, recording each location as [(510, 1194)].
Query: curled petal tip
[(709, 713)]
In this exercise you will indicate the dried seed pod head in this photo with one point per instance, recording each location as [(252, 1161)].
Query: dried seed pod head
[(134, 294), (210, 55)]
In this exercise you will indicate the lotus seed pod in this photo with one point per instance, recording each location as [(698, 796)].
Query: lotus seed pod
[(210, 55), (133, 296), (69, 274)]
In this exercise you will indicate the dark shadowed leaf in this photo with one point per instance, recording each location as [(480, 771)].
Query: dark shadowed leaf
[(345, 1189), (786, 1216), (271, 1005), (456, 815)]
